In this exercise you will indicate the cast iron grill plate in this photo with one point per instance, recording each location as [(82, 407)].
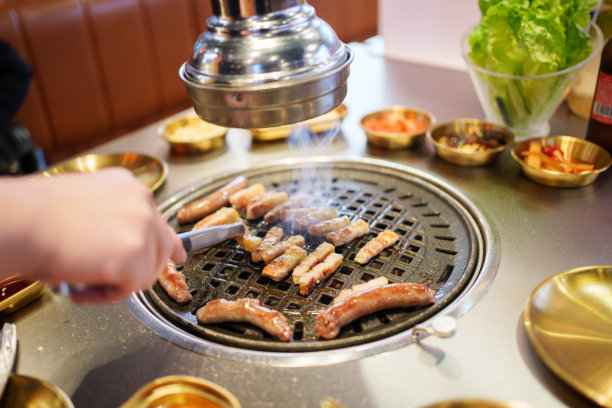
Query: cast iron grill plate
[(437, 247)]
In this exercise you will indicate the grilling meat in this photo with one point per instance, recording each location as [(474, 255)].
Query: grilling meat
[(319, 272), (315, 217), (345, 235), (248, 241), (384, 240), (222, 216), (345, 293), (241, 198), (273, 235), (329, 321), (316, 257), (270, 253), (245, 310), (327, 226), (261, 205), (296, 201), (287, 215), (210, 203), (280, 266), (174, 283)]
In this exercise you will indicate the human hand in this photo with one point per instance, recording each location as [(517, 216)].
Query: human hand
[(101, 231)]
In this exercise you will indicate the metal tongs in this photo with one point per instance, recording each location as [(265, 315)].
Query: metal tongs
[(206, 237), (8, 348)]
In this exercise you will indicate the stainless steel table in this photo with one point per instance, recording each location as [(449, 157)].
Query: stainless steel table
[(102, 355)]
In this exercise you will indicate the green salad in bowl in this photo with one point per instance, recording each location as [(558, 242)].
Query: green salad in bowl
[(523, 55)]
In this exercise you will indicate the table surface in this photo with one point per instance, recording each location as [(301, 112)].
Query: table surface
[(100, 355)]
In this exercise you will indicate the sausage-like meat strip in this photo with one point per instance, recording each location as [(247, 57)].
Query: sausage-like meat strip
[(327, 226), (302, 223), (265, 203), (245, 310), (210, 203), (270, 253), (347, 234), (222, 216), (314, 258), (345, 293), (280, 266), (241, 198), (296, 201), (273, 235), (174, 283), (319, 272), (384, 240), (330, 320)]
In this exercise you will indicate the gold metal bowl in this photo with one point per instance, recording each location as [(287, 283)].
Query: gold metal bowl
[(463, 127), (181, 390), (319, 124), (478, 403), (573, 147), (150, 170), (398, 140), (16, 292), (568, 321), (24, 391), (189, 134)]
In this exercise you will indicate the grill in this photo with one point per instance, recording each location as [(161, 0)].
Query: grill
[(438, 246)]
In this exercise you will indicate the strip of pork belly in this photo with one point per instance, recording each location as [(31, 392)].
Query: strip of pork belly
[(248, 241), (245, 310), (270, 253), (287, 215), (329, 321), (210, 203), (174, 283), (345, 235), (314, 258), (267, 202), (384, 240), (241, 198), (273, 235), (327, 226), (222, 216), (280, 266), (319, 272), (296, 201), (302, 223), (372, 283)]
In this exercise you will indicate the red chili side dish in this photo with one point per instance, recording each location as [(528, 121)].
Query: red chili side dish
[(394, 122)]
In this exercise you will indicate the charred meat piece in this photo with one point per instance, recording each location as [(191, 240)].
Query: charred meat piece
[(210, 203), (273, 235), (296, 201), (241, 198), (384, 240), (315, 217), (280, 266), (329, 321), (270, 253), (222, 216), (257, 209), (319, 272), (245, 310), (345, 235), (327, 226), (174, 283), (314, 258), (345, 293)]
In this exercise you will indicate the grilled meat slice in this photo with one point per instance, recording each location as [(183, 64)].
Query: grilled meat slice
[(174, 283), (314, 258), (319, 272), (345, 235), (280, 266), (212, 202), (384, 240)]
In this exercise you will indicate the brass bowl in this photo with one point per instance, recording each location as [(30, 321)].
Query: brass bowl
[(189, 134), (24, 391), (573, 147), (181, 390), (398, 140), (18, 292), (478, 403), (567, 319), (319, 124), (150, 170), (462, 127)]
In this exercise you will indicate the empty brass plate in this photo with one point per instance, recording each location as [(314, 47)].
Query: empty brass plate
[(478, 403), (150, 170), (569, 321), (24, 391)]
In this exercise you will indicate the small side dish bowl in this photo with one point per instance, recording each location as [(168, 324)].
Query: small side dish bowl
[(189, 134), (577, 152), (470, 142), (25, 391), (397, 127)]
